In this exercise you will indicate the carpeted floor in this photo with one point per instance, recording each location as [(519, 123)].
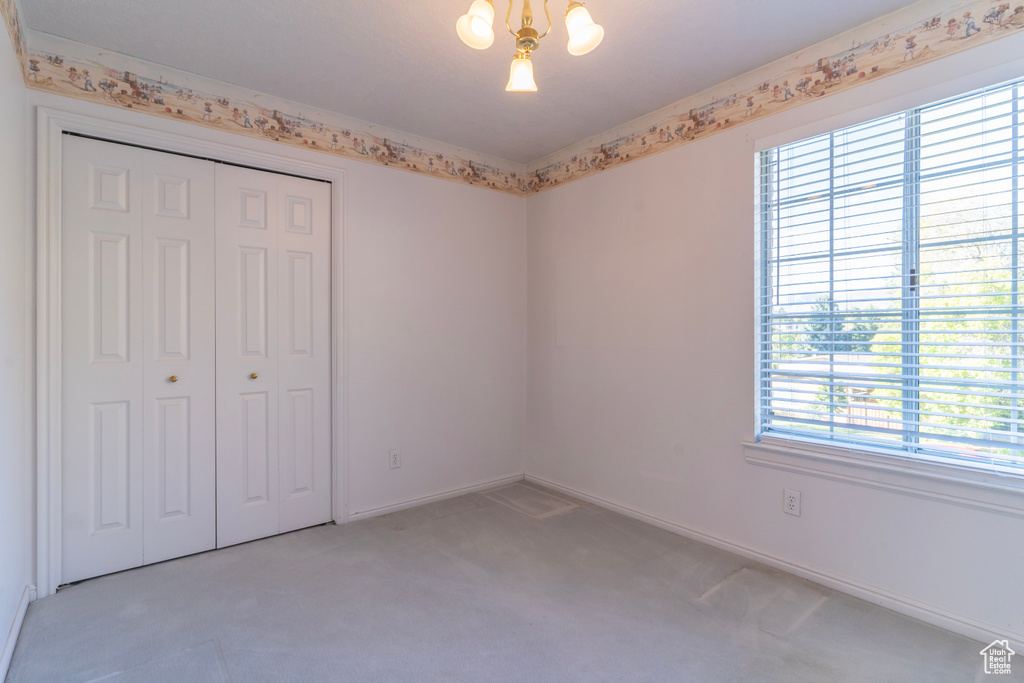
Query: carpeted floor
[(516, 584)]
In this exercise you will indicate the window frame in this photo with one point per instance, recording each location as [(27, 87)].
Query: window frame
[(903, 460)]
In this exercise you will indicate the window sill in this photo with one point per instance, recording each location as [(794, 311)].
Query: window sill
[(989, 491)]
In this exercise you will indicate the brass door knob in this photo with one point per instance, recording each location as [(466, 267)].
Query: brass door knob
[(254, 375), (174, 378)]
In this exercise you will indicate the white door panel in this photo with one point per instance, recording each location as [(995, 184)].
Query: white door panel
[(101, 351), (304, 263), (180, 452), (247, 438)]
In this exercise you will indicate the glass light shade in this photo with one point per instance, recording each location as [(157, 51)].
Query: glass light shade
[(520, 76), (474, 27), (584, 34)]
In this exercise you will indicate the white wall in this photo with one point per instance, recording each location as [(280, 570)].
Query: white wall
[(641, 375), (436, 343), (15, 463)]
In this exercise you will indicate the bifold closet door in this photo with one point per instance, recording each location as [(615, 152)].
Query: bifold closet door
[(273, 354), (137, 328)]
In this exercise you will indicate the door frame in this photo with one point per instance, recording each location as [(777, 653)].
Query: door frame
[(51, 125)]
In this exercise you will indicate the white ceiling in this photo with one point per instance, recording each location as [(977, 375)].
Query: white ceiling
[(399, 63)]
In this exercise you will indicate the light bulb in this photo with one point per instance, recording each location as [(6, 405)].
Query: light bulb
[(520, 74), (584, 34), (474, 27)]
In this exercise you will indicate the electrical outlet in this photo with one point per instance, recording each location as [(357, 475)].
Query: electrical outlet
[(396, 459), (791, 502)]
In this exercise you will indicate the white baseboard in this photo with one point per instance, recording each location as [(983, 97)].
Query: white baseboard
[(27, 596), (980, 631), (433, 498)]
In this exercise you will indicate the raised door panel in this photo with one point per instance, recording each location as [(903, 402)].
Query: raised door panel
[(254, 448), (108, 303), (180, 329), (173, 308), (305, 362), (299, 284), (252, 302), (110, 439), (173, 198), (298, 434), (247, 224), (101, 353), (108, 186), (173, 458), (252, 203)]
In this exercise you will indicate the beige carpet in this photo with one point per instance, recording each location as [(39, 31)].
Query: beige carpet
[(514, 584)]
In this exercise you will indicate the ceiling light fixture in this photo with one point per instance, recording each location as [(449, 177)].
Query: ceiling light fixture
[(474, 28)]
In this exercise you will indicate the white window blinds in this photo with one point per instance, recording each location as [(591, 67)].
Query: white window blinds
[(890, 283)]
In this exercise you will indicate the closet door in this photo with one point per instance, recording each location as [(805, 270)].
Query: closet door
[(137, 453), (273, 354)]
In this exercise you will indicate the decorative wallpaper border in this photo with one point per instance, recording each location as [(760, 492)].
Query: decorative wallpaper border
[(915, 35), (76, 70), (12, 20), (918, 34)]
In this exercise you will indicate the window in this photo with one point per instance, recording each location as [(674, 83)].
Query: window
[(890, 297)]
